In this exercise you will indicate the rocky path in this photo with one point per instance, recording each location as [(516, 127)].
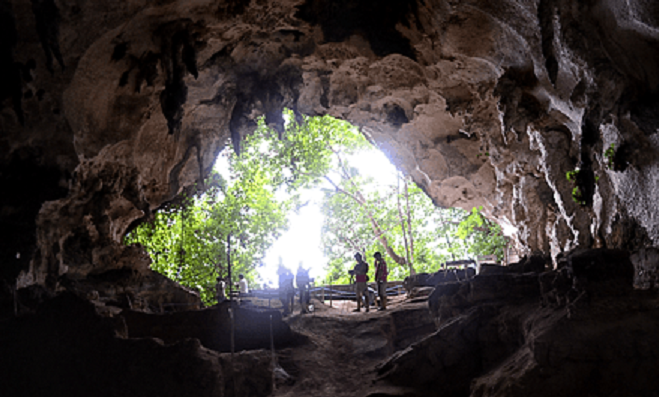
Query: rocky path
[(343, 348)]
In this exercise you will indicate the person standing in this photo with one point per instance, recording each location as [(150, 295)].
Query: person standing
[(242, 285), (221, 290), (381, 279), (286, 291), (360, 272), (302, 281)]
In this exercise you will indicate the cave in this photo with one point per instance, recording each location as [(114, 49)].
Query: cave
[(545, 113)]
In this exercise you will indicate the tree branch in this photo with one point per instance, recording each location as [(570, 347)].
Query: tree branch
[(402, 222), (409, 227), (359, 199)]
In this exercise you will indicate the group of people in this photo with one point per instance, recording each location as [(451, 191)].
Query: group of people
[(360, 273), (302, 280), (287, 290), (221, 286)]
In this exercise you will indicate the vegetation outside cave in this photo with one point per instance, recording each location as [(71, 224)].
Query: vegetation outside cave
[(245, 206)]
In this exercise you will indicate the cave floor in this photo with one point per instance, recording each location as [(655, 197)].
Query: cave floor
[(343, 349)]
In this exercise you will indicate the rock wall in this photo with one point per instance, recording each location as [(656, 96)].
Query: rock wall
[(212, 327), (67, 349), (110, 110), (573, 332)]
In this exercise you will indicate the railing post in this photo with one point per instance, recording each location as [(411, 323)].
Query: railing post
[(229, 267), (16, 298), (232, 329)]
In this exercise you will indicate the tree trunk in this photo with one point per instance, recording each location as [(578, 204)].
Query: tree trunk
[(448, 241), (410, 259), (381, 237), (377, 231), (402, 224)]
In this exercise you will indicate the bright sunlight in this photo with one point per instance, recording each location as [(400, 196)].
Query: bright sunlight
[(315, 195)]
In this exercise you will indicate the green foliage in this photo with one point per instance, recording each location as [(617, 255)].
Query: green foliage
[(347, 228), (449, 245), (609, 154), (470, 223), (250, 203), (572, 175), (304, 153), (485, 237), (577, 194), (188, 241), (440, 234)]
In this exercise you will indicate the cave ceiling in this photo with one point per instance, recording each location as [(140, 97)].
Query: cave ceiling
[(110, 109)]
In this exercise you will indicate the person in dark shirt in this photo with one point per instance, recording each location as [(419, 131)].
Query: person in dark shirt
[(381, 279), (360, 272), (286, 290), (302, 281)]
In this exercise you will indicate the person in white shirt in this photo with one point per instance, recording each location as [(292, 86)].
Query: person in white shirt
[(242, 284), (221, 290)]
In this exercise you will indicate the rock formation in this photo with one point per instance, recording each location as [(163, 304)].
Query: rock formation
[(111, 109), (68, 349), (580, 331)]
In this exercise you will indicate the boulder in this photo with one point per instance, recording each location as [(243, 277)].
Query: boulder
[(600, 271), (47, 353), (575, 331), (212, 327)]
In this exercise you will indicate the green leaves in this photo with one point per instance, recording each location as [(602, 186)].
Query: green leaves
[(572, 175), (248, 201), (610, 154), (577, 194), (484, 236), (347, 228), (470, 223)]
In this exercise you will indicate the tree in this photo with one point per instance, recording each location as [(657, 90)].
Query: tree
[(406, 221), (485, 237), (188, 241), (413, 225), (348, 184), (248, 205), (363, 217)]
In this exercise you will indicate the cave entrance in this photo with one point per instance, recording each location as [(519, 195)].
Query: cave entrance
[(309, 196)]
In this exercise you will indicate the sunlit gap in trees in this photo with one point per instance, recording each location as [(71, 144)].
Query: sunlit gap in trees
[(313, 195)]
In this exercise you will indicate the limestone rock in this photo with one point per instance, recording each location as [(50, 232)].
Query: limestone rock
[(646, 268), (582, 354), (116, 109), (212, 327), (108, 110), (607, 272), (557, 333), (439, 277), (48, 353)]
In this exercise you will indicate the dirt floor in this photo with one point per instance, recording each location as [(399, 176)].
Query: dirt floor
[(342, 350)]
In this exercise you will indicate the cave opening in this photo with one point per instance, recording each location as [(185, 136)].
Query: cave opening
[(483, 103), (310, 196)]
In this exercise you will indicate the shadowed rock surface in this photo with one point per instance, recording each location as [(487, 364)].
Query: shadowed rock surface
[(212, 327), (66, 349), (555, 333), (110, 110), (481, 103)]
